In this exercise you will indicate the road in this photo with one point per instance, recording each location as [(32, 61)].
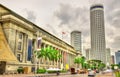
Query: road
[(85, 75), (54, 75), (73, 75)]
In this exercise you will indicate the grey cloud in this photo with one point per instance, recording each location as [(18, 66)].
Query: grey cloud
[(116, 43), (51, 29), (113, 12), (75, 18), (64, 14), (30, 15)]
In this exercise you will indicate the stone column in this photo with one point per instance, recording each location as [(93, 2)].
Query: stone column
[(24, 48), (26, 52)]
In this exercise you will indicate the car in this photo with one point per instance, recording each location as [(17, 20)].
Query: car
[(91, 73), (107, 71)]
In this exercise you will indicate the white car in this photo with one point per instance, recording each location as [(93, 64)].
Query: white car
[(107, 71), (91, 73)]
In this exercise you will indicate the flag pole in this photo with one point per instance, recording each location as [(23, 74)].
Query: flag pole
[(62, 35)]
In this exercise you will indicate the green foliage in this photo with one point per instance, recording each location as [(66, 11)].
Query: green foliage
[(63, 71), (51, 71), (96, 64), (77, 60), (48, 53), (101, 66), (20, 70), (117, 73), (113, 65), (86, 65), (54, 71), (80, 60), (41, 71)]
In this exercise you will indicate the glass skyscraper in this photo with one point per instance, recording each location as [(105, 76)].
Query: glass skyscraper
[(117, 56)]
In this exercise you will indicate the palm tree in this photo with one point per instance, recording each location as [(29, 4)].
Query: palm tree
[(48, 53)]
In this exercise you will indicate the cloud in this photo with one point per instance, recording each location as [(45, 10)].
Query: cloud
[(73, 18), (77, 18), (112, 14), (51, 29), (116, 43), (30, 15)]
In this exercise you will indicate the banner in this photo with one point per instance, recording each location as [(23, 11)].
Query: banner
[(39, 42), (64, 58), (29, 49)]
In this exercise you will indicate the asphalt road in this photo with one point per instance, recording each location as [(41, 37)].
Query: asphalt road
[(54, 75)]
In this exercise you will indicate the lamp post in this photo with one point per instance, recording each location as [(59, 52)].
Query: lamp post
[(38, 48), (36, 60)]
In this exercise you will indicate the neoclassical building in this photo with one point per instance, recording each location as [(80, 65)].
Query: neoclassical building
[(19, 38)]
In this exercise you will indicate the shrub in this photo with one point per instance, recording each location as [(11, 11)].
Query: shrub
[(20, 70), (50, 71), (54, 71), (41, 71), (63, 71)]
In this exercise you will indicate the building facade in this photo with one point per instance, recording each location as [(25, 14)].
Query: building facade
[(76, 41), (23, 38), (112, 59), (108, 56), (88, 54), (98, 45), (117, 57)]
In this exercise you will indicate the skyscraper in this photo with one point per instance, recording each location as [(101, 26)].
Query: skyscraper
[(76, 40), (88, 54), (98, 46), (112, 59), (117, 57), (108, 56)]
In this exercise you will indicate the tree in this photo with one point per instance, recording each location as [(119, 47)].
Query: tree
[(101, 66), (86, 65), (48, 53), (80, 60), (54, 54), (77, 61), (96, 64)]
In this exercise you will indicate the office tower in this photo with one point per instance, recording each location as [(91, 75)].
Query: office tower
[(112, 59), (108, 56), (88, 54), (76, 40), (98, 46), (117, 56)]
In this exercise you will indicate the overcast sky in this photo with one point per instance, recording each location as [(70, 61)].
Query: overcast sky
[(57, 16)]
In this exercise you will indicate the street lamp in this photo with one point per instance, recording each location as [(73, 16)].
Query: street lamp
[(36, 60)]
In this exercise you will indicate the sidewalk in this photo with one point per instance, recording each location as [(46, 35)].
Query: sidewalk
[(106, 75), (54, 74), (31, 75), (26, 75)]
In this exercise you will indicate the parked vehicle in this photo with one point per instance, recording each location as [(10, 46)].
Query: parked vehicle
[(107, 71), (91, 73)]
